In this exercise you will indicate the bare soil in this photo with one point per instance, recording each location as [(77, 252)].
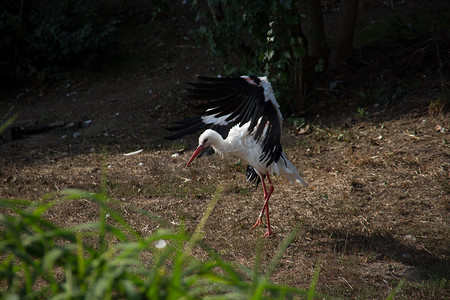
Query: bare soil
[(376, 209)]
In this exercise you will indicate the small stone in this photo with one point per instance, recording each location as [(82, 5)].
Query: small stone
[(413, 274), (160, 244)]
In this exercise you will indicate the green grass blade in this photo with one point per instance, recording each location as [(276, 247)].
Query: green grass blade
[(391, 296), (130, 290), (106, 209), (198, 231), (255, 276), (315, 279), (14, 203), (7, 123), (81, 261), (281, 250), (258, 291)]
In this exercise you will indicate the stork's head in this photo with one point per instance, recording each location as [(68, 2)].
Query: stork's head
[(207, 138)]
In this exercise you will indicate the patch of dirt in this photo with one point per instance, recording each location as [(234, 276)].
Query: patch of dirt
[(376, 209)]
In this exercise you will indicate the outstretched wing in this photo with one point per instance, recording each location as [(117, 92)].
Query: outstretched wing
[(227, 102)]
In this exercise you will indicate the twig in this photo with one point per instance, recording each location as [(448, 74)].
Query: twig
[(346, 282), (213, 13), (440, 65)]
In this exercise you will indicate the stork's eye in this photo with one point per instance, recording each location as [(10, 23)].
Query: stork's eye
[(204, 141)]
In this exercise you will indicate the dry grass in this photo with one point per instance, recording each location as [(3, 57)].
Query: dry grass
[(376, 209)]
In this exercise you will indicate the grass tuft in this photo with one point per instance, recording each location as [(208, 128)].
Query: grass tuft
[(441, 104), (42, 260)]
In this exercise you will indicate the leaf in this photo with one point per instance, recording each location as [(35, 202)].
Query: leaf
[(50, 258)]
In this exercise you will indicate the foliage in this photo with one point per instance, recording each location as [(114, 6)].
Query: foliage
[(398, 29), (361, 112), (7, 123), (258, 37), (42, 38), (441, 104), (42, 260)]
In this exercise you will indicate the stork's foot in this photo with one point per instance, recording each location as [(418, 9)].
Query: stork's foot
[(268, 233), (258, 222)]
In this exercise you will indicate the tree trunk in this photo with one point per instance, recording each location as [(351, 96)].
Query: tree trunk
[(314, 28), (344, 32)]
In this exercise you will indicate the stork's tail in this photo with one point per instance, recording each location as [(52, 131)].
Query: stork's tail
[(295, 177), (290, 171)]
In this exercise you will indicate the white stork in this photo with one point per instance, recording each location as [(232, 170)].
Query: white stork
[(243, 120)]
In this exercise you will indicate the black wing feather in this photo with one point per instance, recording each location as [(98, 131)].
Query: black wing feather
[(237, 102)]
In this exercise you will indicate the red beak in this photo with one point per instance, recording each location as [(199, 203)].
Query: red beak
[(196, 153)]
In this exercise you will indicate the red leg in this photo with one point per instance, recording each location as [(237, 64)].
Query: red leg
[(266, 205), (258, 221)]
